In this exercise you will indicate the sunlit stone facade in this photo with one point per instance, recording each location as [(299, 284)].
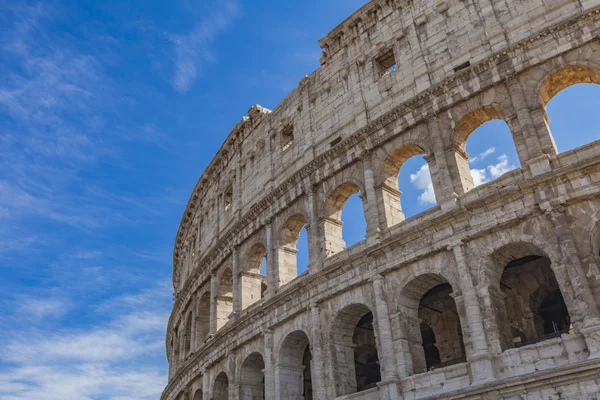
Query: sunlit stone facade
[(492, 294)]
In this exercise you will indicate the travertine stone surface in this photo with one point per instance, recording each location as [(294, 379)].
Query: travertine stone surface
[(492, 294)]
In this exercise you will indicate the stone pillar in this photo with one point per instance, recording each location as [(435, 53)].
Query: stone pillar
[(237, 191), (587, 309), (214, 288), (194, 311), (389, 376), (478, 353), (315, 239), (269, 371), (318, 366), (272, 270), (237, 283), (493, 311), (372, 213), (443, 183), (402, 344), (205, 385), (534, 132)]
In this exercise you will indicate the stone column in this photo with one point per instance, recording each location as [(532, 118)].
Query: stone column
[(587, 308), (272, 267), (389, 375), (237, 283), (205, 385), (316, 349), (444, 184), (214, 288), (269, 371), (534, 132), (478, 353), (194, 311), (237, 191), (372, 213), (403, 343), (315, 247)]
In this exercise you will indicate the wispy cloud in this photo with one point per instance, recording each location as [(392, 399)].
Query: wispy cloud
[(482, 156), (422, 181), (493, 171), (194, 49), (89, 363), (422, 178)]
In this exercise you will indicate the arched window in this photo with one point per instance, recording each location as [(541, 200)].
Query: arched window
[(338, 233), (416, 186), (252, 379), (221, 387), (224, 298), (203, 319), (485, 148), (571, 98), (355, 350), (434, 328), (406, 187), (289, 248), (534, 309), (295, 380), (198, 394), (254, 280)]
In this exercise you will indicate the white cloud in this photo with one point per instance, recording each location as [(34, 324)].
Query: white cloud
[(501, 167), (193, 50), (482, 156), (491, 172), (422, 181), (115, 359), (40, 308)]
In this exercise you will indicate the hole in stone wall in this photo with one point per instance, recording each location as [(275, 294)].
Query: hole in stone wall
[(287, 137), (491, 153), (573, 115), (534, 309), (387, 63), (416, 187)]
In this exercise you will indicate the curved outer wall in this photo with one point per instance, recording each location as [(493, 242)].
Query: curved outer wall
[(347, 128)]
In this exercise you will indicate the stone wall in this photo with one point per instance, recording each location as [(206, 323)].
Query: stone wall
[(494, 292)]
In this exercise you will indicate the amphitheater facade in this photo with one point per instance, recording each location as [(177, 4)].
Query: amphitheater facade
[(494, 293)]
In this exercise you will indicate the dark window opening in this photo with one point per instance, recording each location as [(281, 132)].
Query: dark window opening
[(366, 360), (228, 197), (432, 354), (287, 137), (387, 63), (462, 66), (307, 384), (553, 312)]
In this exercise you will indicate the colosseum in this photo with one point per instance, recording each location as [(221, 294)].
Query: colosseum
[(494, 293)]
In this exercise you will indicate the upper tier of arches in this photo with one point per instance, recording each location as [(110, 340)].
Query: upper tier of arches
[(273, 152)]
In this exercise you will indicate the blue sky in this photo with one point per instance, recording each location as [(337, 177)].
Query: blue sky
[(110, 111)]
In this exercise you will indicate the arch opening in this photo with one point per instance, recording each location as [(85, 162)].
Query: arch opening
[(221, 387), (485, 135), (294, 368), (203, 319), (252, 379), (292, 241), (418, 192), (342, 233), (355, 350), (198, 394), (225, 298), (254, 280), (534, 309), (433, 324)]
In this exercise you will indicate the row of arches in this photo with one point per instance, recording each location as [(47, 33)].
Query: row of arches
[(525, 299), (252, 279)]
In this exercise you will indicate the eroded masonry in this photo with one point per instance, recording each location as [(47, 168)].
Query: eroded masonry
[(492, 294)]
